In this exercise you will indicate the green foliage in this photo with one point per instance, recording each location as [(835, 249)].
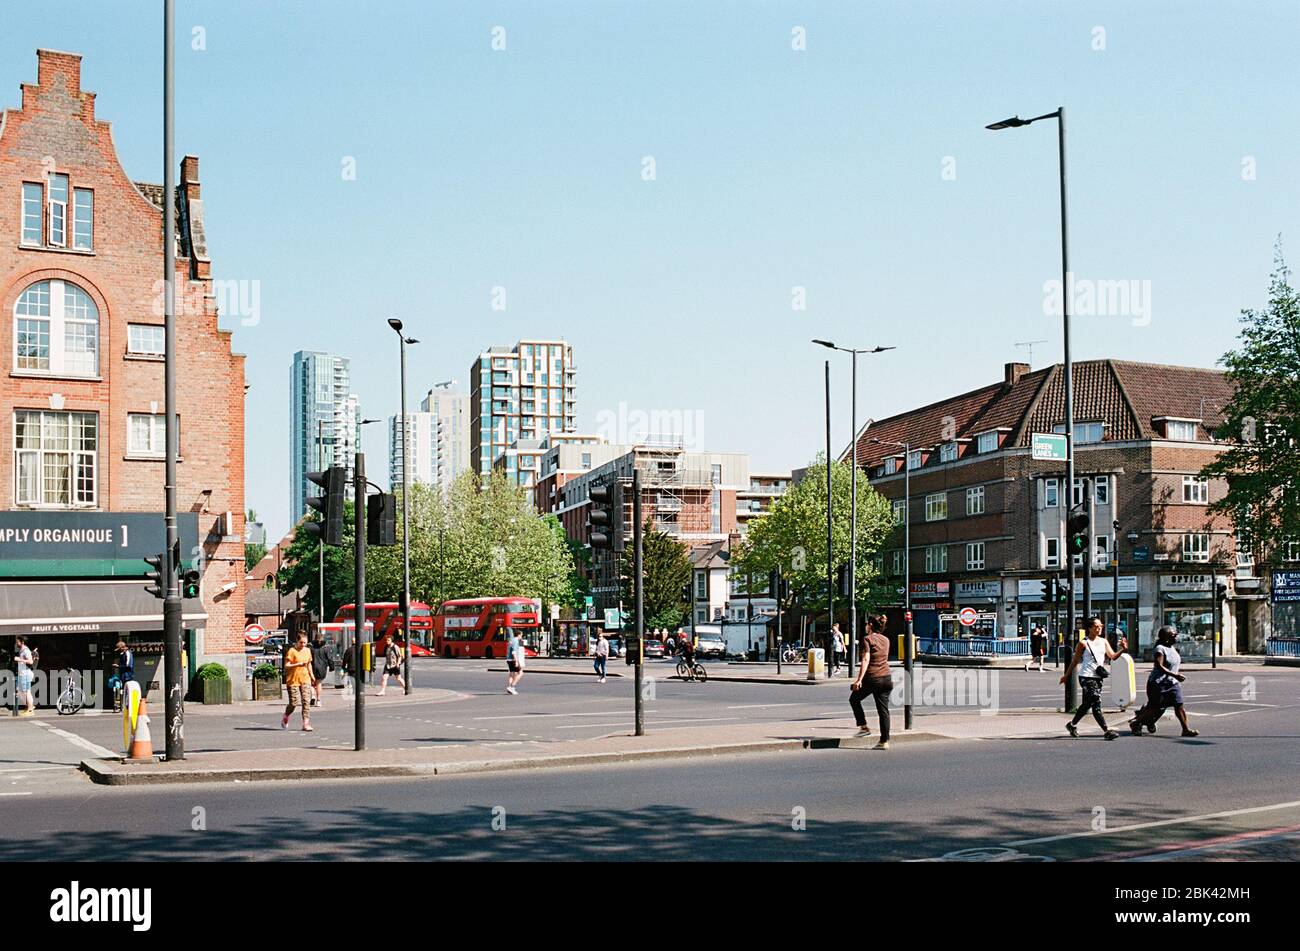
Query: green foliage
[(266, 672), (667, 566), (212, 672), (253, 553), (483, 541), (1262, 422), (792, 536)]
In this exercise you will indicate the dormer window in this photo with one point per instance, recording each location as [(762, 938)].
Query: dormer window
[(891, 465), (1084, 433), (948, 452), (986, 442), (1182, 430)]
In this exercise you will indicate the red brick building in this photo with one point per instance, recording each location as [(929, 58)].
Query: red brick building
[(988, 521), (81, 415)]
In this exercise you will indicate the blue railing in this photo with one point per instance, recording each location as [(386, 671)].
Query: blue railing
[(1282, 647), (975, 646)]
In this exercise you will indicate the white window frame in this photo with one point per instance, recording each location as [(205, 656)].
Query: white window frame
[(1292, 550), (1172, 424), (936, 559), (1101, 550), (1196, 489), (78, 244), (936, 506), (157, 331), (975, 556), (914, 459), (975, 500), (986, 442), (948, 452), (60, 320), (891, 465), (57, 211), (1101, 490), (1051, 493), (79, 461), (1082, 430), (900, 511), (1196, 546), (1051, 552), (157, 441), (898, 563), (26, 226), (1077, 496)]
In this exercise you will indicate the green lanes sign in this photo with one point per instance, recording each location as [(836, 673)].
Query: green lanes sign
[(1049, 447)]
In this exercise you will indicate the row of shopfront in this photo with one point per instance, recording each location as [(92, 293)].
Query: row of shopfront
[(1009, 607)]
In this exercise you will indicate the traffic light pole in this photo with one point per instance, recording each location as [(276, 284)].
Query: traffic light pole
[(639, 584), (175, 708), (830, 531), (359, 601), (1088, 554)]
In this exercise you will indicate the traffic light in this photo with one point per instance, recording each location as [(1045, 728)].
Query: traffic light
[(1076, 530), (381, 520), (330, 504), (190, 583), (1220, 590), (158, 577), (1048, 592), (605, 518), (1062, 589), (842, 581)]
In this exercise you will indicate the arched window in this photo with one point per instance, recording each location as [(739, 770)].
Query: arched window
[(56, 330)]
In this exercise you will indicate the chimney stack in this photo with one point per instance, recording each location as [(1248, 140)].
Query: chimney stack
[(1012, 372)]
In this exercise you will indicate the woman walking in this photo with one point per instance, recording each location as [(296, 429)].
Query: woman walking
[(1164, 687), (601, 655), (1090, 657), (873, 680), (297, 677)]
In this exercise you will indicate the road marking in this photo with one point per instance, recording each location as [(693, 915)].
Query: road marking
[(33, 769), (1152, 825), (536, 716), (764, 706), (1193, 847), (15, 793), (77, 741)]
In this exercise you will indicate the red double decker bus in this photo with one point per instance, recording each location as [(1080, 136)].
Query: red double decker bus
[(386, 618), (480, 627)]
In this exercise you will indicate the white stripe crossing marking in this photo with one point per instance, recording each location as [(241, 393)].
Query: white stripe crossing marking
[(563, 716), (15, 793), (34, 769), (764, 706), (1162, 822), (79, 741)]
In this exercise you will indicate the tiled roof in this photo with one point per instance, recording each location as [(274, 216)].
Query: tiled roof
[(1127, 396)]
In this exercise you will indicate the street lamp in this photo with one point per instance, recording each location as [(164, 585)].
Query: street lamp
[(908, 650), (1013, 123), (853, 498), (406, 505), (1137, 598)]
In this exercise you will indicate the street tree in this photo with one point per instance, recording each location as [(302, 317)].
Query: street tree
[(666, 566), (1261, 423)]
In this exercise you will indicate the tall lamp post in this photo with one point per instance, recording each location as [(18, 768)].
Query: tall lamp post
[(908, 650), (1014, 122), (1136, 648), (406, 506), (853, 498)]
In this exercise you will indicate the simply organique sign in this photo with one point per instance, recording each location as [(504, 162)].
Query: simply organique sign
[(34, 544)]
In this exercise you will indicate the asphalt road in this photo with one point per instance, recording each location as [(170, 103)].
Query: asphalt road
[(1229, 794)]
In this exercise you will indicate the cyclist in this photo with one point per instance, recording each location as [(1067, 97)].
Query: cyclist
[(688, 651)]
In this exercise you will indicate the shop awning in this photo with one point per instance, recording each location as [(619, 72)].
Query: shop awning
[(84, 607)]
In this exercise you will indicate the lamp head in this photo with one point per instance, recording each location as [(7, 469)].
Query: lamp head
[(1012, 123), (395, 324), (826, 343)]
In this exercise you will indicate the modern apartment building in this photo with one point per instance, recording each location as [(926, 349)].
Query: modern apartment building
[(988, 521), (564, 457), (688, 495), (524, 460), (522, 392), (758, 497), (324, 422), (422, 428), (82, 409), (450, 410)]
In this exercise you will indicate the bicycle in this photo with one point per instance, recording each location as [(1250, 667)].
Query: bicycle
[(72, 699), (794, 654), (695, 671)]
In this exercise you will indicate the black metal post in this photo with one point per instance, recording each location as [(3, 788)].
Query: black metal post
[(406, 523), (853, 519), (780, 641), (1089, 553), (830, 530), (639, 584), (175, 706), (359, 639)]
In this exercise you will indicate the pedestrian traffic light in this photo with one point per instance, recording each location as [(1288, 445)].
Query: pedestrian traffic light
[(158, 588), (1076, 530), (605, 518), (381, 520), (190, 583), (1047, 592), (329, 503)]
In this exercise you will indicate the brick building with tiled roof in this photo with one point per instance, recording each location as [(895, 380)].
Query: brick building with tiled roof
[(988, 520)]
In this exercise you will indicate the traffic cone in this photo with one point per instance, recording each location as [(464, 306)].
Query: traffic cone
[(141, 744)]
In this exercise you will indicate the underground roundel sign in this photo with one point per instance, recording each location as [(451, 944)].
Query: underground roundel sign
[(967, 616), (254, 634)]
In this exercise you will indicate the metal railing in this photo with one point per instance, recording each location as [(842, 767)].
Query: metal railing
[(974, 646), (1282, 647)]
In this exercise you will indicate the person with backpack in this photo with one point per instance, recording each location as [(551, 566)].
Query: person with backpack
[(321, 664), (25, 660), (1090, 656), (392, 666)]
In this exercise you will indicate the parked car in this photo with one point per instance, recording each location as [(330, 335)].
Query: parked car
[(653, 647), (711, 645), (615, 647), (275, 643)]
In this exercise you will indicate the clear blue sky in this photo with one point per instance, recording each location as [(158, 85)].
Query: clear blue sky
[(775, 168)]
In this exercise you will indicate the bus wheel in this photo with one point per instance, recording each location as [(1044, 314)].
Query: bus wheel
[(446, 652), (487, 652)]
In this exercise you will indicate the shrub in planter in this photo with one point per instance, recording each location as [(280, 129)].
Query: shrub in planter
[(215, 680), (266, 682)]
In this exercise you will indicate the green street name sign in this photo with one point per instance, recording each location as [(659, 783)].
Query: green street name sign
[(1049, 447)]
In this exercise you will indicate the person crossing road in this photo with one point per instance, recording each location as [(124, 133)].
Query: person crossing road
[(1090, 657)]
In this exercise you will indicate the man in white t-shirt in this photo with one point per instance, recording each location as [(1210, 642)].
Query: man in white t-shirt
[(24, 659)]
